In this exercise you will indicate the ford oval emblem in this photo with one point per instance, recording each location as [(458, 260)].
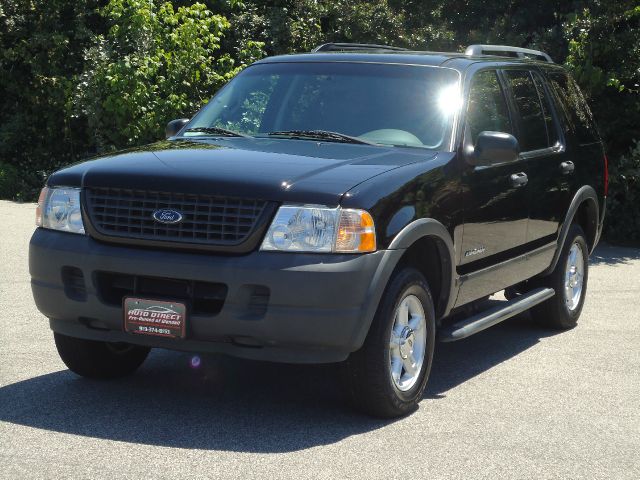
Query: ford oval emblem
[(167, 216)]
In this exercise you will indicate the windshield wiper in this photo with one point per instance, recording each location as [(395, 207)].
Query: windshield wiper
[(320, 135), (223, 132)]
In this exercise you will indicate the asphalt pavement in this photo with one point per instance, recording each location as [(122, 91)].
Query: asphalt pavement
[(516, 401)]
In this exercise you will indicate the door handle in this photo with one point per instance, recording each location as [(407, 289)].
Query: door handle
[(567, 167), (519, 179)]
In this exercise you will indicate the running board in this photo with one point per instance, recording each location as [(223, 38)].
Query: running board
[(483, 320)]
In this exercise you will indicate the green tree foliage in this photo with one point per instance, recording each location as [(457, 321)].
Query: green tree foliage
[(604, 55), (623, 220), (41, 51), (287, 26), (155, 63)]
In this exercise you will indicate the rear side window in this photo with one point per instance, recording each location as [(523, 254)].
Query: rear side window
[(487, 109), (574, 108), (533, 135), (552, 130)]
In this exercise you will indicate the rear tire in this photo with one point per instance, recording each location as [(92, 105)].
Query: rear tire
[(387, 376), (99, 360), (569, 280)]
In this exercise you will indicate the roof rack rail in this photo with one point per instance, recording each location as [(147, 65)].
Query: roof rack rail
[(355, 47), (507, 51)]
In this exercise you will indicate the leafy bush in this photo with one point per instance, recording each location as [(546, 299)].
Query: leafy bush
[(41, 52), (287, 26), (604, 55), (623, 220), (154, 64), (10, 183)]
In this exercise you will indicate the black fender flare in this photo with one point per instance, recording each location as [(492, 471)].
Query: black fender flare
[(428, 227), (585, 194), (412, 232)]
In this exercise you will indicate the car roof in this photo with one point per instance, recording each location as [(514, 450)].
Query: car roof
[(458, 61)]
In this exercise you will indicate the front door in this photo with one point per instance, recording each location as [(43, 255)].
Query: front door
[(495, 197)]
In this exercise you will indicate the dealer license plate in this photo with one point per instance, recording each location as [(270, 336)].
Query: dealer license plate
[(155, 317)]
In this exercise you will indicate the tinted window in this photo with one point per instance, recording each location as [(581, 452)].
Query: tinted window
[(387, 104), (533, 135), (574, 108), (487, 109), (552, 130)]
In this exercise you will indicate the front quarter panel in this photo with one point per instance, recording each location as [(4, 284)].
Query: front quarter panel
[(426, 189)]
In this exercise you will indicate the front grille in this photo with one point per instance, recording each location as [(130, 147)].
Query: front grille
[(204, 298), (207, 220)]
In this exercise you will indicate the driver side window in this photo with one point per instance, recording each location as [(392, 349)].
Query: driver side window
[(487, 110)]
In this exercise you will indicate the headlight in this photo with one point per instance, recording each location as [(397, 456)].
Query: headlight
[(59, 209), (319, 229)]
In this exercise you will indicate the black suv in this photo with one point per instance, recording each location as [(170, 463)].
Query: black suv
[(349, 205)]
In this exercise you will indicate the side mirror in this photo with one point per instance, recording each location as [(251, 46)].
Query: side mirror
[(492, 148), (174, 126)]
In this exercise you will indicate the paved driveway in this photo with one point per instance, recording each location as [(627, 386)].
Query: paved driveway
[(515, 401)]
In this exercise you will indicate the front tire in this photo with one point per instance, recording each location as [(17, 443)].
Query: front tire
[(387, 376), (569, 280), (99, 360)]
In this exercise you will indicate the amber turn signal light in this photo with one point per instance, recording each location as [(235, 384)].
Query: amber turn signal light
[(356, 232)]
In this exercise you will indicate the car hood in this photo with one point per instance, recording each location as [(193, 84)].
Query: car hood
[(267, 169)]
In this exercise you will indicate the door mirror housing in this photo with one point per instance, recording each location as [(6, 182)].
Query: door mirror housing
[(174, 126), (492, 148)]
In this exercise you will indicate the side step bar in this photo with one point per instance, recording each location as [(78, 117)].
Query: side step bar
[(483, 320)]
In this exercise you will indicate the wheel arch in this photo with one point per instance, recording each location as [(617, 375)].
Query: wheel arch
[(584, 211), (425, 232), (427, 244)]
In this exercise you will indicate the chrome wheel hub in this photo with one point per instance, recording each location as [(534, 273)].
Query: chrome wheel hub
[(408, 343), (574, 277)]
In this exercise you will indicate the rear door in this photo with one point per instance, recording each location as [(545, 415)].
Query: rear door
[(549, 168), (582, 142)]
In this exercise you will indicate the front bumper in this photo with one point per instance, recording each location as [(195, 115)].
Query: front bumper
[(318, 308)]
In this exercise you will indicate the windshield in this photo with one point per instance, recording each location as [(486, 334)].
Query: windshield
[(385, 104)]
